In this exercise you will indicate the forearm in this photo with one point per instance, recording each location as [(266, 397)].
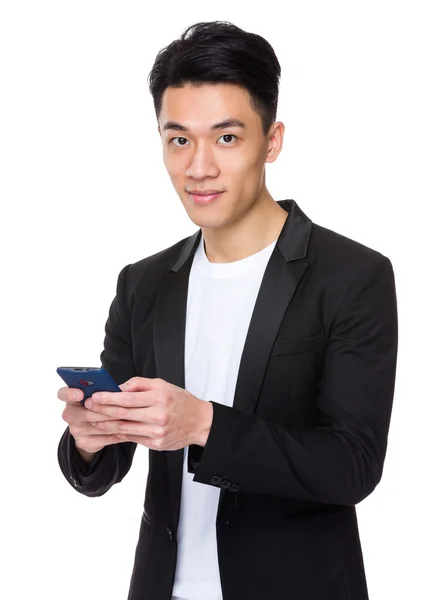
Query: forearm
[(263, 458)]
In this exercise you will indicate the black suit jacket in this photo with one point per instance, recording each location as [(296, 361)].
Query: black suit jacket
[(306, 437)]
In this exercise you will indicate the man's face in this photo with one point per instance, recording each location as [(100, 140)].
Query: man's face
[(202, 152)]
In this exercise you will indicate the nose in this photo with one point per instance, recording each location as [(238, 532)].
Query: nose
[(202, 164)]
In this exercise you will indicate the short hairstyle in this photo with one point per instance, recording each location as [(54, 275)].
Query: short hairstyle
[(220, 52)]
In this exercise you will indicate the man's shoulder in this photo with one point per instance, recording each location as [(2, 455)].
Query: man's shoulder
[(153, 267), (161, 259), (330, 248)]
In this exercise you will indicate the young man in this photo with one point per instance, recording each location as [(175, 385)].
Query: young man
[(258, 357)]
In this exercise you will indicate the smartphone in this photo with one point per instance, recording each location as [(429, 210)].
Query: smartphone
[(88, 379)]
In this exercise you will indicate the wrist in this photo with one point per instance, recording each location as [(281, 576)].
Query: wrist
[(205, 422), (86, 456)]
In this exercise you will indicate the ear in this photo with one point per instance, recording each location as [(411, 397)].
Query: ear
[(275, 140)]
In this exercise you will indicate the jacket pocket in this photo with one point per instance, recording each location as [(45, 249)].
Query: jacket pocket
[(299, 346)]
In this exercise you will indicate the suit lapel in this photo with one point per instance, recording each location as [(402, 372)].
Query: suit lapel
[(281, 278)]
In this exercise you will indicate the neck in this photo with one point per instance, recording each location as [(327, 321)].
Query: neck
[(256, 230)]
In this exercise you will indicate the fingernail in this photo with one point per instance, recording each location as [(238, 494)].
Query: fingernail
[(77, 395), (89, 403)]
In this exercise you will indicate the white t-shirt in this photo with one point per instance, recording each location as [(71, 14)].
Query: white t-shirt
[(221, 299)]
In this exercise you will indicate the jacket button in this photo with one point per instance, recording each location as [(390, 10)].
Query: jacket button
[(170, 533), (216, 480), (75, 482), (225, 484), (234, 487)]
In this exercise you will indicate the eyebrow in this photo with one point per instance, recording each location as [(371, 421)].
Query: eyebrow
[(225, 124)]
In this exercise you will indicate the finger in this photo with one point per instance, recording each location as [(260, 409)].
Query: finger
[(79, 414), (128, 399), (86, 430), (137, 439), (120, 412), (93, 415), (126, 427), (149, 442), (96, 443), (139, 384), (67, 394)]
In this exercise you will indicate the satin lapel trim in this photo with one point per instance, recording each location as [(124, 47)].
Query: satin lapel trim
[(275, 294)]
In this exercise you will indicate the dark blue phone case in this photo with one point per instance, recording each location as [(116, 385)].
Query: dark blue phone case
[(88, 379)]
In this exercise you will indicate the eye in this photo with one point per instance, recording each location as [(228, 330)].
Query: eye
[(226, 138), (181, 141)]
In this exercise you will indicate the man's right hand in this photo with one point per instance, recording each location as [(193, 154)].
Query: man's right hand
[(88, 439)]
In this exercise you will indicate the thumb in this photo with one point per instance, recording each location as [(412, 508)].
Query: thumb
[(137, 384)]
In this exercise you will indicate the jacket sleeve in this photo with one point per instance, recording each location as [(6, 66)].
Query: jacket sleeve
[(340, 461), (110, 464)]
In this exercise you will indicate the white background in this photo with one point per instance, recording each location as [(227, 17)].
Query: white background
[(84, 192)]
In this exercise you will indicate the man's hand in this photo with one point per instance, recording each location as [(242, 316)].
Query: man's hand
[(151, 412), (88, 439)]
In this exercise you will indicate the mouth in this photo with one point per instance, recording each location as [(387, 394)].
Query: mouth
[(205, 196)]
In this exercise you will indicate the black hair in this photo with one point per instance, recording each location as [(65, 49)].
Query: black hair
[(220, 52)]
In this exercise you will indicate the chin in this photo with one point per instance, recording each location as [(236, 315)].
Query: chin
[(205, 221)]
